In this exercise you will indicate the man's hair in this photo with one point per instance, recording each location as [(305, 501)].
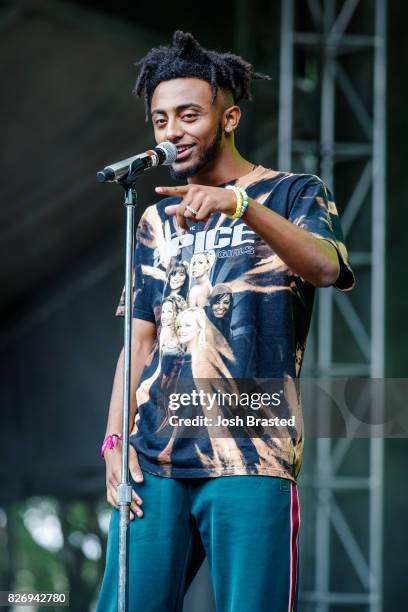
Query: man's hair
[(186, 58)]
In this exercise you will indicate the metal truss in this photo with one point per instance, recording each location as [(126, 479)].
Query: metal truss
[(328, 32)]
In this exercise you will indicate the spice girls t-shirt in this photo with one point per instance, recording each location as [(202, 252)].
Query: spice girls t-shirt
[(227, 309)]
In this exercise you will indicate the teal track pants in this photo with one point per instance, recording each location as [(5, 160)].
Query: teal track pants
[(247, 526)]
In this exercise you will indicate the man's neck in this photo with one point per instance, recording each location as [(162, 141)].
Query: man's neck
[(228, 166)]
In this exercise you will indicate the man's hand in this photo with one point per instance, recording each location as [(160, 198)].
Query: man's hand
[(202, 199), (113, 460), (306, 255)]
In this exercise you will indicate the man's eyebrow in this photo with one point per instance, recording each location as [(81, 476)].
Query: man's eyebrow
[(180, 107)]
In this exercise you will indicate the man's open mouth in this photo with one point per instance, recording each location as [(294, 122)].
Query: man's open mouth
[(183, 151)]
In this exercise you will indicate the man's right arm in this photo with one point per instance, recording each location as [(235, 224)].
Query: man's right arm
[(143, 338)]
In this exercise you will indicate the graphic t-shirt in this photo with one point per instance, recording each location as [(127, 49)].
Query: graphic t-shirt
[(226, 307)]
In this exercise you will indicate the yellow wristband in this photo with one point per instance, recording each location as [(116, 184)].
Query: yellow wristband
[(239, 198)]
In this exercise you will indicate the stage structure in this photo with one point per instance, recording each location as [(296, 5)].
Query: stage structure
[(345, 41)]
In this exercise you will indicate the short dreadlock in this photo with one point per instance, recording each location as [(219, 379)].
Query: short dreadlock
[(186, 58)]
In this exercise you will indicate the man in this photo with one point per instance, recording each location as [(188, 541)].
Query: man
[(269, 238)]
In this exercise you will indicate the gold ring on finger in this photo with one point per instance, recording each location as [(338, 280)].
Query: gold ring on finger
[(190, 209)]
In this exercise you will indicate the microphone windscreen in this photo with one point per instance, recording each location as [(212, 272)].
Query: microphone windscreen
[(170, 152)]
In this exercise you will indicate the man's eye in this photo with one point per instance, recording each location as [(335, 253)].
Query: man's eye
[(189, 116), (160, 122)]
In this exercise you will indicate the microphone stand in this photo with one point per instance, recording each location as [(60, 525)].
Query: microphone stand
[(124, 489)]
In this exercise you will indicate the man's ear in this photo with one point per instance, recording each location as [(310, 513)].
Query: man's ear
[(231, 118)]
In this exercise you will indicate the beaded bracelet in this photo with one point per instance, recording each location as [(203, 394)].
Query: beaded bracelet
[(245, 201), (109, 443), (242, 201)]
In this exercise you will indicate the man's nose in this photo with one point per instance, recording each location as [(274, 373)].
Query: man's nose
[(173, 130)]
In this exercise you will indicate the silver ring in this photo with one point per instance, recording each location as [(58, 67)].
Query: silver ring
[(193, 212)]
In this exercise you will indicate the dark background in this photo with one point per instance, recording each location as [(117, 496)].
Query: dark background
[(66, 107)]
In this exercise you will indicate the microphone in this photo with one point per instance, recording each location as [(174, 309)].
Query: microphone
[(165, 153)]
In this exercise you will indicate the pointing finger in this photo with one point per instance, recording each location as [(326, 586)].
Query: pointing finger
[(173, 191)]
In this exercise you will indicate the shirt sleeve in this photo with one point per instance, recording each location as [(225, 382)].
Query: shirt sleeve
[(142, 284), (314, 210)]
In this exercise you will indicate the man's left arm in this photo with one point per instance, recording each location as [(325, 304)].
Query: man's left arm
[(313, 259)]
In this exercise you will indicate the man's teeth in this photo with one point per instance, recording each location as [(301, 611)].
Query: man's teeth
[(181, 149)]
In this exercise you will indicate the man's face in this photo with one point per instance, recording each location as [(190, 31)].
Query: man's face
[(183, 113)]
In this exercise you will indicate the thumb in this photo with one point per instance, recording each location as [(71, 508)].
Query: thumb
[(134, 466), (171, 210)]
